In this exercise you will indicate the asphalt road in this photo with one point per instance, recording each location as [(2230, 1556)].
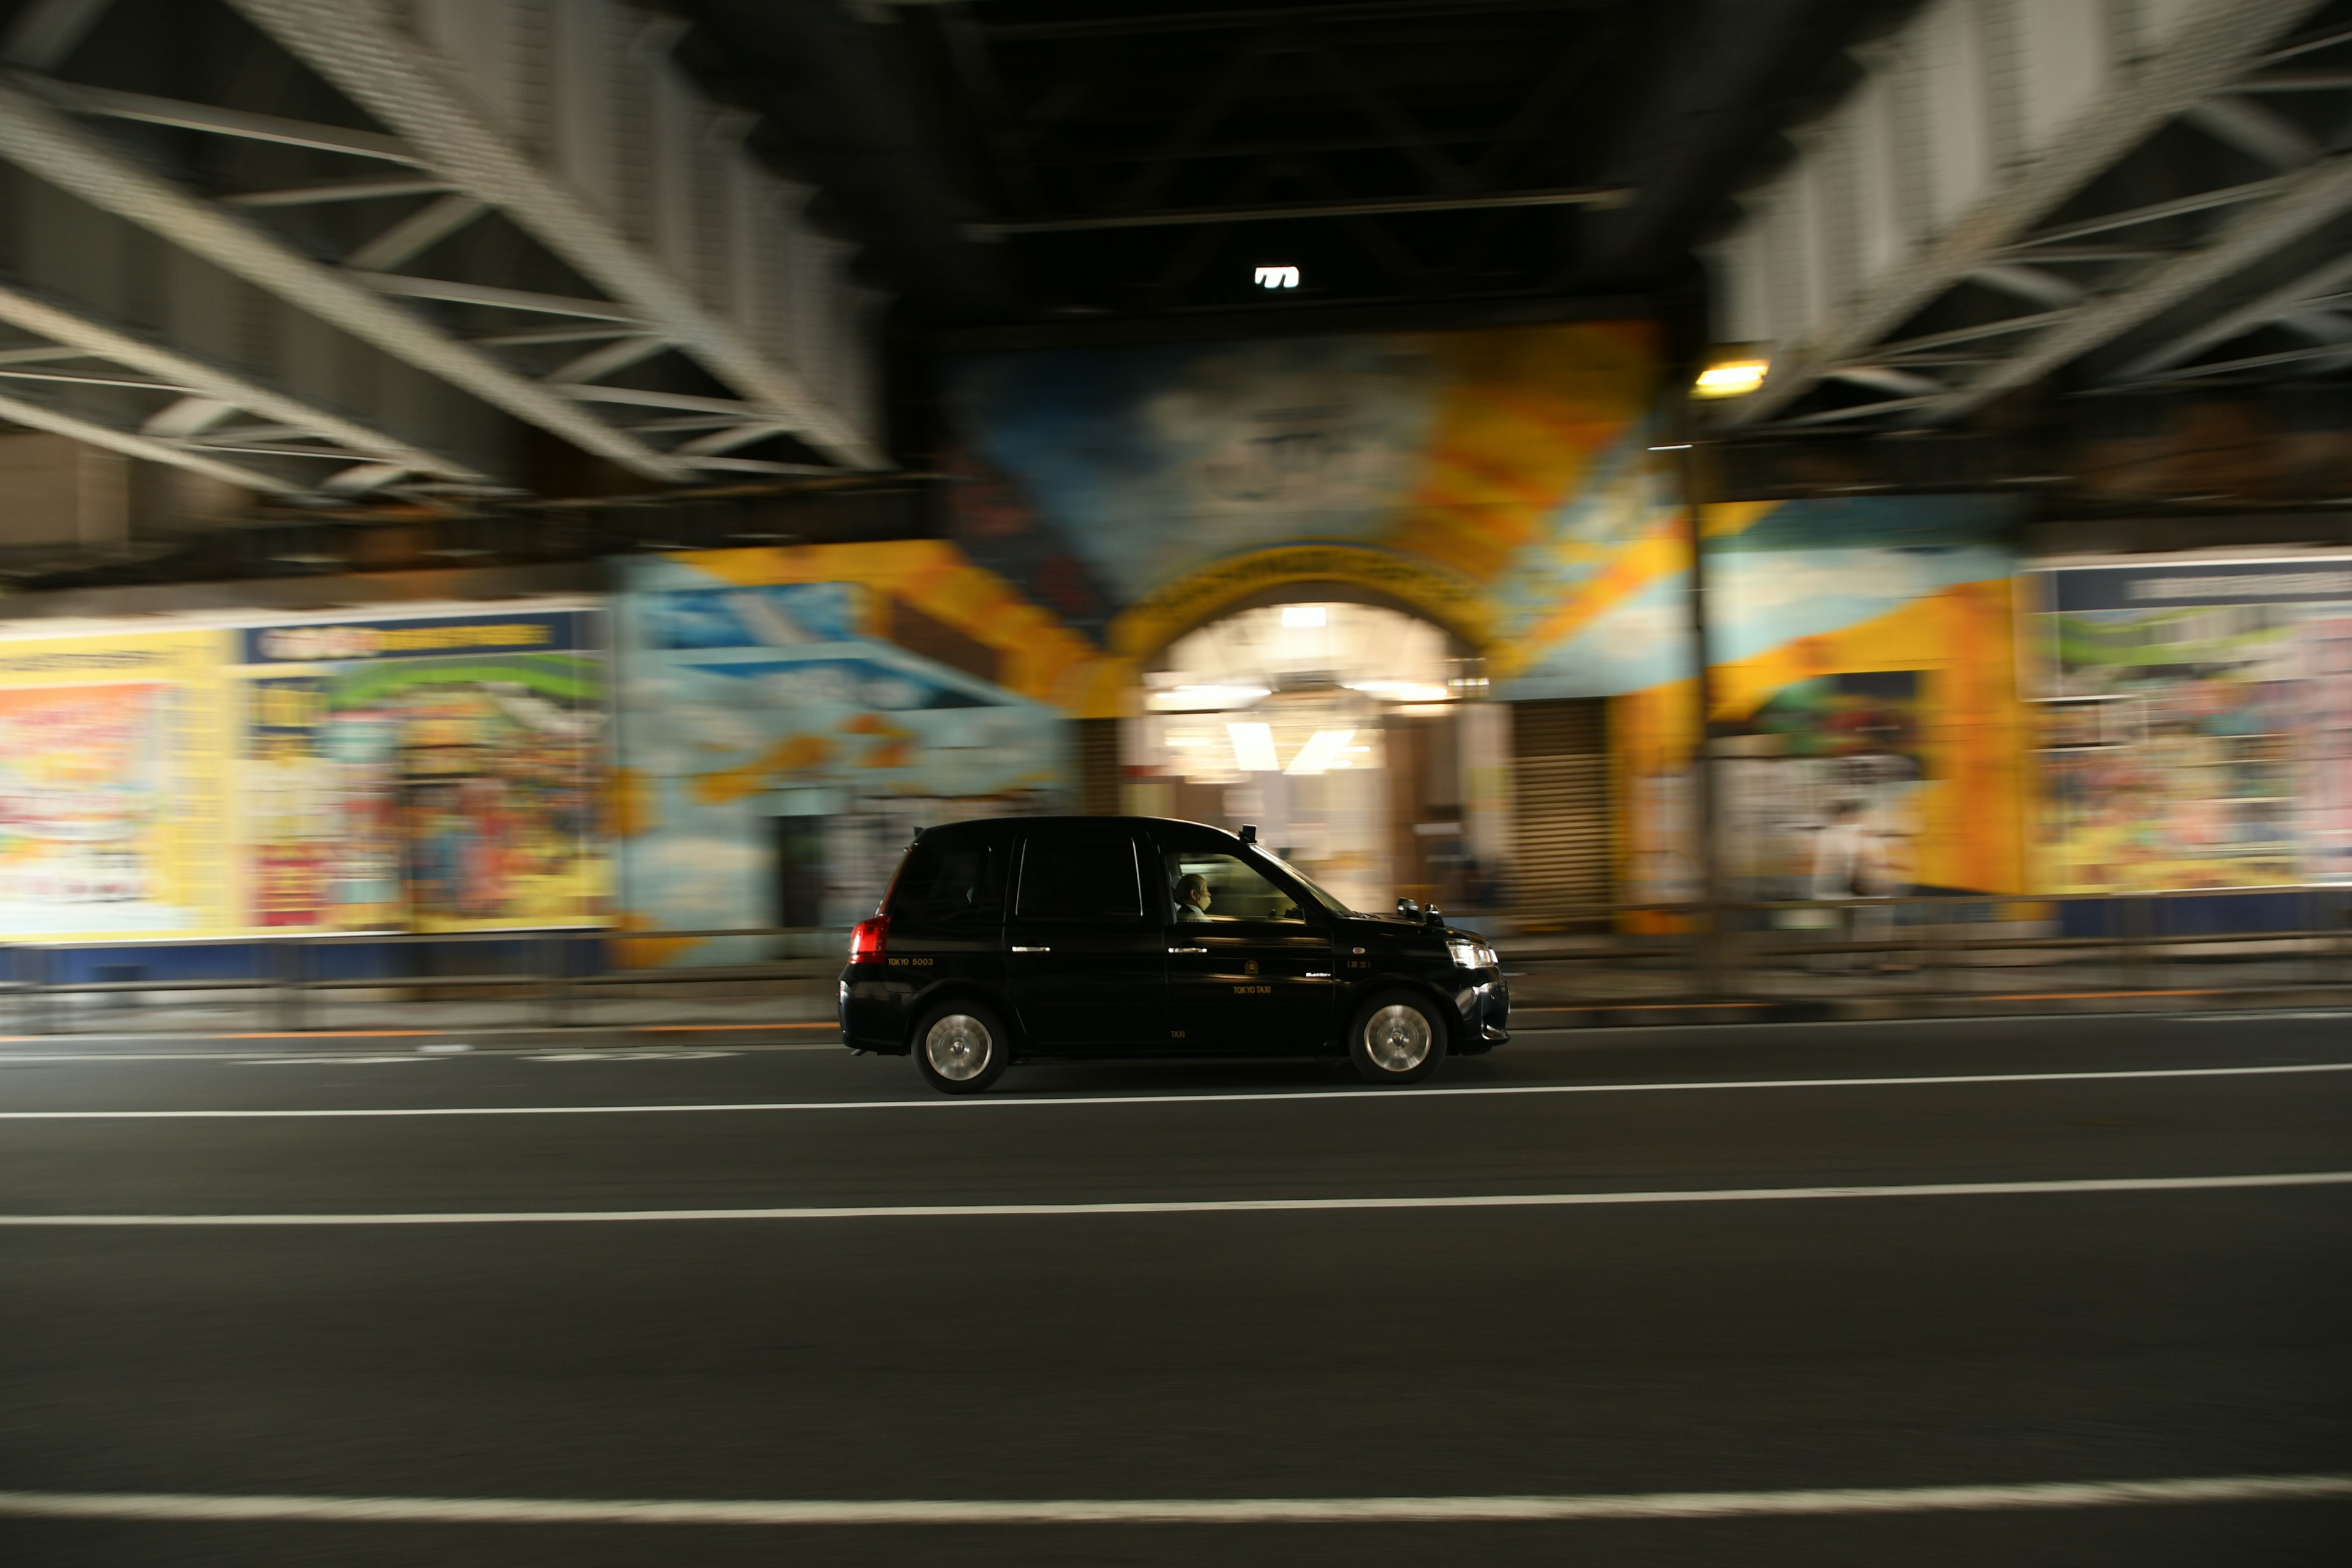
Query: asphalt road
[(1098, 1345)]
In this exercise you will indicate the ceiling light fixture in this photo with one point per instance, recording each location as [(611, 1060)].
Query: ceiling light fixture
[(1730, 378), (1320, 752), (1254, 748)]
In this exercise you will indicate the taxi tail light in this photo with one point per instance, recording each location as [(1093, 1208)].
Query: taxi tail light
[(867, 938)]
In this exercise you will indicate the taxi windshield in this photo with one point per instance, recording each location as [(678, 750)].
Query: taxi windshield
[(1314, 890)]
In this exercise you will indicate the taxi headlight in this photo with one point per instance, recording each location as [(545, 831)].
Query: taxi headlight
[(1470, 954)]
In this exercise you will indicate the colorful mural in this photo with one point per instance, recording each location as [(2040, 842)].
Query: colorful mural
[(1503, 484), (793, 717), (1862, 662), (1488, 480)]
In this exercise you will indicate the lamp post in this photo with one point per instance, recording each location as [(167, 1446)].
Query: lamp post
[(1712, 967)]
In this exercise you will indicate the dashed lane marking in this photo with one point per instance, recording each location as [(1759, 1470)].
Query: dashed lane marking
[(1008, 1102), (214, 1507), (1179, 1206)]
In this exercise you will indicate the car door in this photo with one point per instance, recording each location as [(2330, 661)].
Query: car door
[(1252, 972), (1083, 954)]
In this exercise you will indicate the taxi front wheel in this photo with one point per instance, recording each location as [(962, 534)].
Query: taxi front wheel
[(1396, 1038), (962, 1047)]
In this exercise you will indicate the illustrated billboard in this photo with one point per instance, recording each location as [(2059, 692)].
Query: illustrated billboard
[(2195, 723), (109, 785), (437, 773)]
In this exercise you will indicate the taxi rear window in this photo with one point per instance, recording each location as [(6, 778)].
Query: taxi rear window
[(949, 884)]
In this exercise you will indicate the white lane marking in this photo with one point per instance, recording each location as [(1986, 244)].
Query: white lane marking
[(345, 1061), (216, 1508), (1208, 1206), (437, 1053), (615, 1053), (1363, 1096), (1990, 1022), (656, 1054)]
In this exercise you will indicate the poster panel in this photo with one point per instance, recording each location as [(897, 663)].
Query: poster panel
[(110, 749), (2193, 724), (427, 772)]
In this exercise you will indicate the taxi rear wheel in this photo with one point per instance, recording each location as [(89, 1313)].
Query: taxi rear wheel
[(962, 1047), (1396, 1038)]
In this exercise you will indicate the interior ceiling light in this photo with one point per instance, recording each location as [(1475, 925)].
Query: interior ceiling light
[(1321, 750), (1730, 378), (1206, 699), (1302, 616), (1401, 690), (1254, 748)]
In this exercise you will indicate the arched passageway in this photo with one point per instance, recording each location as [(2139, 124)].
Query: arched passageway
[(1354, 735)]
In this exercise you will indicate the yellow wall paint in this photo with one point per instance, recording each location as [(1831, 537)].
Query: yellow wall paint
[(1972, 725), (1524, 414)]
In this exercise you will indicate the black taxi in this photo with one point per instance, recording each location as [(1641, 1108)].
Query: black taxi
[(1019, 939)]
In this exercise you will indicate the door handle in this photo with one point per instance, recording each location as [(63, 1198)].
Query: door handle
[(1171, 949), (1033, 950)]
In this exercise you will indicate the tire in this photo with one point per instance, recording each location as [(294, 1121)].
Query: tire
[(962, 1047), (1396, 1038)]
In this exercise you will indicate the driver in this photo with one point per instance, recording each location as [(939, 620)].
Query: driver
[(1193, 897)]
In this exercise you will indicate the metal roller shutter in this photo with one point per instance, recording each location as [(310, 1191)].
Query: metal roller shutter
[(1559, 760), (1098, 767)]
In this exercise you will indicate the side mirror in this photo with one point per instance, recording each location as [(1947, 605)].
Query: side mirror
[(1432, 916), (1408, 909)]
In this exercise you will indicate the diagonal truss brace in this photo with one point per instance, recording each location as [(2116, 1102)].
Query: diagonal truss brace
[(130, 444), (210, 395), (41, 140), (357, 45), (2302, 294), (2306, 202), (2215, 47)]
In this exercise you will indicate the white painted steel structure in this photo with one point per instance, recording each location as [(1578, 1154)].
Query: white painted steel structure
[(2015, 185), (241, 274)]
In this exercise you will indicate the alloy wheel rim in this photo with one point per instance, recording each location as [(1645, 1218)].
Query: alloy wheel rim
[(958, 1047), (1397, 1037)]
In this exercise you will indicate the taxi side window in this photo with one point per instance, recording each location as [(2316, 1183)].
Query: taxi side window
[(1080, 877), (1236, 891), (949, 884)]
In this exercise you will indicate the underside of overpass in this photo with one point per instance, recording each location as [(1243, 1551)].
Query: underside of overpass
[(357, 284)]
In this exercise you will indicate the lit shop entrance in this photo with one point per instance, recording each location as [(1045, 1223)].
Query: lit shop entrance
[(1353, 736)]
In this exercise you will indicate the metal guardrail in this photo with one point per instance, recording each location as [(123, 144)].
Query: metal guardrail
[(293, 975), (1693, 953)]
